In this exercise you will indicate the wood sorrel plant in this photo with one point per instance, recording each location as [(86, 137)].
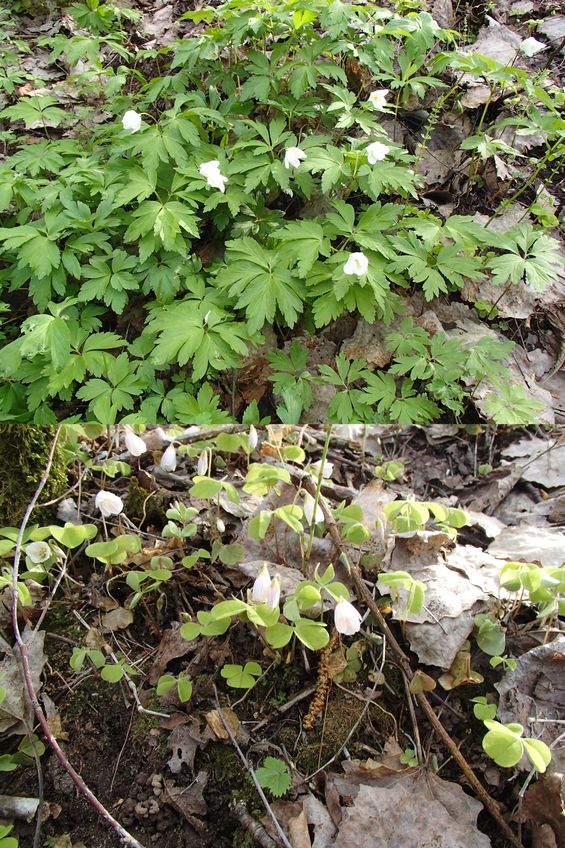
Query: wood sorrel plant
[(250, 184)]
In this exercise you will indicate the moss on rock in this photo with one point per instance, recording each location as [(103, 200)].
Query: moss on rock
[(24, 450)]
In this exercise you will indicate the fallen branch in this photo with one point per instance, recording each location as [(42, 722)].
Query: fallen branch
[(280, 832), (126, 838), (364, 594)]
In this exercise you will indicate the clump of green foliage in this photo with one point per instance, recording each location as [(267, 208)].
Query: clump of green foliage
[(136, 277)]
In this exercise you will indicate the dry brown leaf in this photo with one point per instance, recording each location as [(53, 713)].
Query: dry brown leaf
[(171, 647), (421, 682), (117, 619), (544, 806), (298, 831)]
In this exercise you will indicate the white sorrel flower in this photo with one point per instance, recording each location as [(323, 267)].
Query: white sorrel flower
[(135, 445), (309, 510), (260, 591), (211, 170), (293, 156), (356, 264), (531, 46), (376, 152), (108, 503), (274, 593), (202, 467), (220, 526), (347, 619), (169, 459), (253, 438), (131, 121), (377, 98), (38, 552), (327, 470)]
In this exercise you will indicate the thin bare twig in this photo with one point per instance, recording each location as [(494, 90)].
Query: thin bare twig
[(126, 838), (404, 663), (249, 768)]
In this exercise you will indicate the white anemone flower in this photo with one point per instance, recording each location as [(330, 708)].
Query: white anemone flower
[(38, 552), (293, 156), (108, 503), (530, 46), (347, 619), (261, 586), (327, 470), (309, 510), (134, 443), (131, 121), (376, 152), (377, 99), (169, 459), (357, 264), (214, 178)]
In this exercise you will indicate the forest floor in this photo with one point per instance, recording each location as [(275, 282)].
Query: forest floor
[(345, 727)]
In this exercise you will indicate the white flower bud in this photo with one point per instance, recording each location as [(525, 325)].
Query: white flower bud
[(220, 526), (347, 619), (169, 459), (260, 591), (202, 468), (134, 443), (309, 510), (108, 503), (327, 470), (274, 593), (38, 552), (357, 264), (131, 121), (253, 438)]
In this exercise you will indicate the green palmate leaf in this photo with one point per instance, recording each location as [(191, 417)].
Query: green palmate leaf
[(303, 242), (261, 283), (190, 330), (274, 775), (110, 281)]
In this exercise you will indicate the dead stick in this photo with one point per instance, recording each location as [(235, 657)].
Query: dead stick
[(258, 787), (364, 594), (126, 838)]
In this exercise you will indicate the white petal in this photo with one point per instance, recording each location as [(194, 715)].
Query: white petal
[(131, 120), (169, 459), (347, 619), (376, 152), (357, 264), (261, 586), (135, 445), (274, 593), (38, 552), (108, 503)]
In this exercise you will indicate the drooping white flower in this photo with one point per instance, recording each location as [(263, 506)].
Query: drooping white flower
[(530, 46), (376, 152), (261, 586), (214, 178), (38, 552), (169, 459), (327, 470), (253, 438), (220, 526), (377, 99), (293, 156), (131, 120), (347, 619), (203, 461), (108, 503), (135, 445), (309, 510), (356, 264), (274, 593)]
